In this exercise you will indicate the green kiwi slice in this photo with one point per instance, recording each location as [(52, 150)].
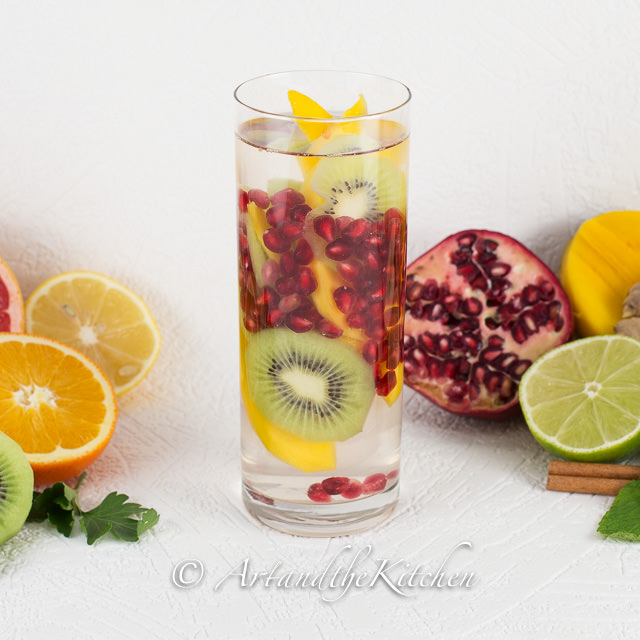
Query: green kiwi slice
[(318, 389), (361, 185), (16, 487)]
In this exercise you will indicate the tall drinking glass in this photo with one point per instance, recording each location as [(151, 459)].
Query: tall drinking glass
[(322, 160)]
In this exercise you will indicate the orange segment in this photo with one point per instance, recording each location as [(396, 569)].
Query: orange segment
[(55, 403), (101, 318)]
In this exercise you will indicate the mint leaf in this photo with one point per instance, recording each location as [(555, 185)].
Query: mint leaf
[(622, 521), (59, 504), (115, 514)]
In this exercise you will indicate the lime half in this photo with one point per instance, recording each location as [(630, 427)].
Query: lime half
[(582, 400)]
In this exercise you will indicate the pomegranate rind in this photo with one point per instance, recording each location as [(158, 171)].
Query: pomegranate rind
[(14, 308), (471, 363)]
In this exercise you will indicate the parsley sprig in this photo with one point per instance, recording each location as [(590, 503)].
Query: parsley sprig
[(59, 504)]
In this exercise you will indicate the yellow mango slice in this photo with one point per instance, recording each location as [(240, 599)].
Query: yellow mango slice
[(306, 456), (357, 110), (394, 394), (599, 266), (304, 107)]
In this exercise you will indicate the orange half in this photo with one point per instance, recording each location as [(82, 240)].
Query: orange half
[(55, 403)]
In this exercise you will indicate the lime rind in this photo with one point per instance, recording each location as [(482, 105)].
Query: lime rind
[(582, 400)]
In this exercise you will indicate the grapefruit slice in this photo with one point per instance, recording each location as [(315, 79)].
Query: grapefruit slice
[(11, 304)]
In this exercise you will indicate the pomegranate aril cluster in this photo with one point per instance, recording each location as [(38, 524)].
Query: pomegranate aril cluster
[(370, 258), (283, 300), (349, 488), (466, 350)]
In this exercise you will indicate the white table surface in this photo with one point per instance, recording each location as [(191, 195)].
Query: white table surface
[(116, 155)]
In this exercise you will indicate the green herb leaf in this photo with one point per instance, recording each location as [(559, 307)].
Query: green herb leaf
[(59, 503), (55, 503), (622, 521), (115, 514)]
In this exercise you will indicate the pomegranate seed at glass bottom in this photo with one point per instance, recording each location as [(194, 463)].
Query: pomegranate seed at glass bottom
[(356, 229), (275, 318), (317, 493), (393, 474), (269, 297), (353, 490), (285, 286), (289, 303), (325, 227), (333, 486), (374, 483), (342, 222), (274, 241), (260, 197)]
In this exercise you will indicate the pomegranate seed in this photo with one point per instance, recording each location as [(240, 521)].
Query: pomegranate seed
[(269, 298), (275, 317), (472, 307), (342, 223), (349, 269), (260, 197), (299, 323), (414, 291), (344, 298), (328, 329), (306, 281), (339, 249), (291, 230), (325, 227), (392, 475), (356, 320), (386, 383), (530, 295), (498, 270), (377, 294), (374, 483), (356, 229), (243, 200), (288, 197), (285, 286), (370, 351), (276, 215), (334, 486), (303, 253), (288, 265), (353, 490), (393, 214), (547, 290), (270, 271), (374, 331), (371, 262), (290, 303), (518, 333), (250, 324), (317, 493), (467, 240), (394, 356), (299, 212), (274, 241)]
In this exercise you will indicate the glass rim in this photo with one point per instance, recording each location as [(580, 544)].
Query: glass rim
[(338, 119)]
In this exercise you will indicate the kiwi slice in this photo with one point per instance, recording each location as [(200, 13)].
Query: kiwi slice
[(16, 487), (315, 388), (362, 185)]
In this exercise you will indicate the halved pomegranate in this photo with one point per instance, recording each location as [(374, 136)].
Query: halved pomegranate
[(480, 308)]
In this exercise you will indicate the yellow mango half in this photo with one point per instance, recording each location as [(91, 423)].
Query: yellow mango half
[(292, 450), (599, 266)]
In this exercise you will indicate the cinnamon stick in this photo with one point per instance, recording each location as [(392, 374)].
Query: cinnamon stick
[(590, 477)]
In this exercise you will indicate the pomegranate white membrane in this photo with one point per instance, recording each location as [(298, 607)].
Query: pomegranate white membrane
[(321, 268)]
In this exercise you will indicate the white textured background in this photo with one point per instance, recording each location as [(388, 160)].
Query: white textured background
[(116, 155)]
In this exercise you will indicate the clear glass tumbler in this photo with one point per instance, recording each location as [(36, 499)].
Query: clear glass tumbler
[(322, 160)]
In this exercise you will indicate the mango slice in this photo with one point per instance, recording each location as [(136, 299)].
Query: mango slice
[(306, 456), (304, 107), (394, 394), (599, 266)]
